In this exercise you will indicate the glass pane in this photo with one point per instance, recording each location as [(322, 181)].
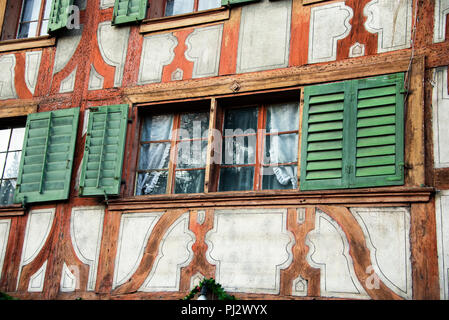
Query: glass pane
[(234, 179), (27, 30), (281, 148), (283, 117), (191, 181), (44, 28), (191, 154), (16, 139), (157, 128), (2, 163), (208, 4), (12, 165), (241, 120), (194, 126), (282, 177), (154, 182), (7, 188), (154, 156), (178, 7), (4, 139), (47, 9), (31, 10), (239, 150)]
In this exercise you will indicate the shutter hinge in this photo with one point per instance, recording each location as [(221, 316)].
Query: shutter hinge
[(130, 120), (24, 202), (93, 109), (106, 197)]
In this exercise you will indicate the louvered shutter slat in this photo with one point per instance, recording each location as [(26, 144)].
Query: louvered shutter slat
[(379, 133), (129, 10), (322, 155), (103, 155), (47, 156), (59, 14)]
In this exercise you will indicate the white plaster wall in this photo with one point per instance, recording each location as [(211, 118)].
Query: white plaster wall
[(86, 228), (264, 39), (323, 35), (32, 64), (440, 110), (157, 52), (442, 224), (441, 11), (249, 248), (175, 252), (5, 225), (387, 234), (135, 230), (37, 230), (7, 85)]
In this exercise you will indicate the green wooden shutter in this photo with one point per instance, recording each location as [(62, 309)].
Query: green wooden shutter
[(59, 14), (379, 132), (103, 155), (129, 10), (47, 156), (234, 2), (323, 146)]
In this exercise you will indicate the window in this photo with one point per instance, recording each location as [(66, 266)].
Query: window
[(174, 7), (173, 153), (260, 149), (26, 19), (11, 140), (34, 18)]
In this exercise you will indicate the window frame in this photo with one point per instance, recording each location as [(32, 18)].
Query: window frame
[(24, 43), (41, 19), (261, 135), (13, 123)]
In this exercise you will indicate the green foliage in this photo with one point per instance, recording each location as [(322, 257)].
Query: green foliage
[(211, 286), (4, 296)]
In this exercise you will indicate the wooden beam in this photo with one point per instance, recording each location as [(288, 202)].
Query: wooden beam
[(2, 13), (9, 109), (271, 79), (28, 43)]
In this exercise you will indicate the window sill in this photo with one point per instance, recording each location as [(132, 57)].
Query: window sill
[(185, 20), (306, 2), (390, 196), (12, 210), (28, 43)]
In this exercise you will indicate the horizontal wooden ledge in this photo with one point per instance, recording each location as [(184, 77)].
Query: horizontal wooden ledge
[(28, 43), (353, 197), (185, 20), (272, 79), (11, 210)]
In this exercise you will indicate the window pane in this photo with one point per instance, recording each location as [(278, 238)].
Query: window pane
[(31, 10), (47, 9), (208, 4), (178, 7), (12, 165), (191, 154), (243, 120), (157, 128), (154, 182), (7, 188), (4, 139), (282, 177), (239, 150), (193, 126), (44, 28), (191, 181), (283, 117), (2, 163), (154, 156), (27, 30), (234, 179), (281, 148), (16, 139)]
